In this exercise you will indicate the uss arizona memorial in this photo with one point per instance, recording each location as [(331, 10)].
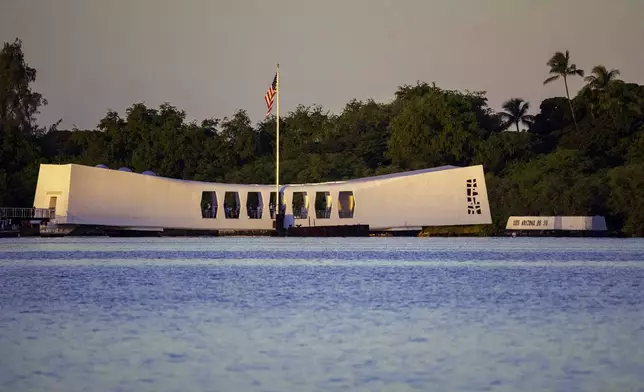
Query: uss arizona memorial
[(85, 196)]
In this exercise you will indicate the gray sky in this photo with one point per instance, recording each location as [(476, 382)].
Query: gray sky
[(211, 57)]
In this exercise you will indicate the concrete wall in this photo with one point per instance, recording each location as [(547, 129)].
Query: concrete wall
[(53, 181), (432, 197), (429, 198), (116, 198)]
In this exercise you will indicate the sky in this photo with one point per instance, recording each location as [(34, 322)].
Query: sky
[(213, 57)]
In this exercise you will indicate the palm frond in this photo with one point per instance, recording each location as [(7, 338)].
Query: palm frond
[(551, 79), (516, 110), (528, 119), (601, 77), (599, 70), (557, 59), (516, 107), (525, 107), (505, 124), (590, 79)]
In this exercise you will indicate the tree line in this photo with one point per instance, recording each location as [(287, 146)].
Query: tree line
[(581, 155)]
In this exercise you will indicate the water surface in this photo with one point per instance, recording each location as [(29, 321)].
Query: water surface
[(269, 314)]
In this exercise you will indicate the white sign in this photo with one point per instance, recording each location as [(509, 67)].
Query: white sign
[(531, 223)]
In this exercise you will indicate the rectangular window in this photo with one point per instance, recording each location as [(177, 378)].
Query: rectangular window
[(346, 204), (209, 204), (231, 205)]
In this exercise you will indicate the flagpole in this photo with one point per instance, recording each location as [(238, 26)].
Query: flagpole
[(278, 204)]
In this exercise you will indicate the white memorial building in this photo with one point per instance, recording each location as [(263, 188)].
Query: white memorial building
[(124, 200)]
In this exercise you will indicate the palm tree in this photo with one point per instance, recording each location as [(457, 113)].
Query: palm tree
[(561, 68), (598, 81), (516, 111), (601, 77)]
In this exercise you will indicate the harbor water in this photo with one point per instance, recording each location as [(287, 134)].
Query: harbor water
[(321, 314)]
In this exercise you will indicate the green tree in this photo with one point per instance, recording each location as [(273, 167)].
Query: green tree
[(545, 186), (636, 149), (516, 111), (363, 128), (19, 105), (627, 199), (434, 127), (561, 67), (601, 77), (594, 93), (503, 149), (239, 142)]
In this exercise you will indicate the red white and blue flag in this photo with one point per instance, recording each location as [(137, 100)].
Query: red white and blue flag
[(270, 95)]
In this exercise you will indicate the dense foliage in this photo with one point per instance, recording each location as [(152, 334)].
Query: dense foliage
[(550, 167)]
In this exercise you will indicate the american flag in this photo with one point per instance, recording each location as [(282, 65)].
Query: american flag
[(270, 94)]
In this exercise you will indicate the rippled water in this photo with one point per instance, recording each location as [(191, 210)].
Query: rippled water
[(269, 314)]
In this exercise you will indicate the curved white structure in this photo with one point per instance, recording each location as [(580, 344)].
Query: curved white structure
[(84, 195)]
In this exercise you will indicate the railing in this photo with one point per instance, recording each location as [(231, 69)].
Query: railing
[(323, 214), (300, 213), (209, 212), (254, 213), (231, 213), (271, 209), (27, 213)]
